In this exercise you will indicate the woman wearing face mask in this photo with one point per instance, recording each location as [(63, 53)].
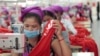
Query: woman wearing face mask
[(67, 24), (48, 15), (32, 30)]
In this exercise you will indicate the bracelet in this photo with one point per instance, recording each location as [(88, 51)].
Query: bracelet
[(61, 39)]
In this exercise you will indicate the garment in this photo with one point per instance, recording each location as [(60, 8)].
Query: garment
[(65, 34), (68, 24), (82, 39), (5, 30), (36, 10)]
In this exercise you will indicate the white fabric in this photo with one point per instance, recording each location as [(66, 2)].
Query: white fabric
[(68, 25)]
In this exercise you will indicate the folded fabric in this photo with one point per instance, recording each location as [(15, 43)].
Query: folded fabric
[(82, 39), (5, 30)]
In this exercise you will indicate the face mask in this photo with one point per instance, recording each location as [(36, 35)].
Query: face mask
[(43, 24), (31, 34)]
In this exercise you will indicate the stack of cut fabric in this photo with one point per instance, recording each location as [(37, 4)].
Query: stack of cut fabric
[(82, 39)]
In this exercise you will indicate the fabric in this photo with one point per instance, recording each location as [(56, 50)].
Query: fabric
[(5, 10), (4, 51), (68, 25), (79, 6), (66, 9), (35, 10), (82, 39), (5, 30), (43, 46), (25, 53), (49, 9), (82, 30), (65, 33), (81, 19), (57, 8)]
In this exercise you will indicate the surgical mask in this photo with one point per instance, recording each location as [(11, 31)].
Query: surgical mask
[(44, 23), (31, 34)]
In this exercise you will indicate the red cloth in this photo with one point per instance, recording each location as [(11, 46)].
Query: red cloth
[(81, 39), (5, 30), (86, 43), (7, 22), (82, 31), (1, 51), (43, 46), (81, 19)]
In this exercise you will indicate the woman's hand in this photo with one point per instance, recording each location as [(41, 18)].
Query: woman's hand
[(57, 25)]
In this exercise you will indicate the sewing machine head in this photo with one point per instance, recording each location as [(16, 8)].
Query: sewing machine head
[(12, 41)]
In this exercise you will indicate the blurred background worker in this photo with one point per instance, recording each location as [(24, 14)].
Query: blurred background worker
[(98, 10)]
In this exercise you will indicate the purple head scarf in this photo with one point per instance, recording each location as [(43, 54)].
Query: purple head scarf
[(66, 9), (4, 10), (49, 9), (57, 9), (35, 10)]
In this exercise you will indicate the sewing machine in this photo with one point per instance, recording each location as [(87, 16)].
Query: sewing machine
[(12, 41)]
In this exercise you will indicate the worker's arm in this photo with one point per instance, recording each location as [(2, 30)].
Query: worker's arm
[(65, 50)]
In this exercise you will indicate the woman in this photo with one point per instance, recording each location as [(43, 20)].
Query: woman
[(32, 24), (4, 18), (48, 14), (66, 24), (98, 10)]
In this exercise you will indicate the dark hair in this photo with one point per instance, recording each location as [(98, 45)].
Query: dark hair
[(49, 14), (28, 15)]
